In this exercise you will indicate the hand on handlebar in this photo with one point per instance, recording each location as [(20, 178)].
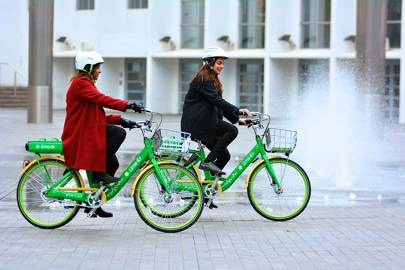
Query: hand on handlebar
[(245, 122), (126, 123), (136, 107), (245, 112)]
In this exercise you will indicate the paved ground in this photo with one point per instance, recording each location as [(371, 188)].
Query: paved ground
[(231, 237), (361, 226)]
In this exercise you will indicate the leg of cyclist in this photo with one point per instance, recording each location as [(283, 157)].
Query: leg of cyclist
[(219, 155), (115, 137)]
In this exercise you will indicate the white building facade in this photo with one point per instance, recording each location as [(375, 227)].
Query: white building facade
[(152, 48)]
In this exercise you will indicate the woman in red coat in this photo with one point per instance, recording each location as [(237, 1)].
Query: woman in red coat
[(90, 138)]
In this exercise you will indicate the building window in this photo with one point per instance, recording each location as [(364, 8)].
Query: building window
[(250, 74), (135, 4), (394, 23), (188, 68), (313, 77), (85, 4), (252, 22), (136, 80), (316, 23), (192, 23), (391, 95)]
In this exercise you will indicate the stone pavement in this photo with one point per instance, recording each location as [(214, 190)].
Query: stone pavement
[(342, 228), (233, 236)]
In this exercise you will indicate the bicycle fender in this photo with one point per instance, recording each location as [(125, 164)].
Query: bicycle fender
[(43, 158), (144, 170), (257, 164)]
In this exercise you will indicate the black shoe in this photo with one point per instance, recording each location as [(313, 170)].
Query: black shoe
[(99, 213), (212, 205), (105, 178), (211, 167)]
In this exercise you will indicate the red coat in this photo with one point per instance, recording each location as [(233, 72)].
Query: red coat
[(84, 133)]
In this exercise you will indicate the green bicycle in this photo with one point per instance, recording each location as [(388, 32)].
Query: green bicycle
[(167, 197), (278, 188)]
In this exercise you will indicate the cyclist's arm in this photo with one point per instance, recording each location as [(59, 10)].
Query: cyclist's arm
[(88, 92), (113, 119), (208, 91)]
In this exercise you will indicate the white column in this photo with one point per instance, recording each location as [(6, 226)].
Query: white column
[(266, 85), (402, 73), (149, 85)]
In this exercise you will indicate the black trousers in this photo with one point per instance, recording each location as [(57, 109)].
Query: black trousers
[(225, 134), (115, 137)]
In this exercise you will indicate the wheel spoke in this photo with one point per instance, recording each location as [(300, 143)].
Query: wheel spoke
[(281, 203), (39, 210), (168, 211)]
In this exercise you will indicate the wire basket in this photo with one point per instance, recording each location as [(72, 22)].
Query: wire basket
[(280, 140), (171, 141)]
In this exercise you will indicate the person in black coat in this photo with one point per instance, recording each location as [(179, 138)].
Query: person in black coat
[(204, 109)]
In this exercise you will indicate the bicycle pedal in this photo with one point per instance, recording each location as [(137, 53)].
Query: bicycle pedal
[(210, 204), (91, 212)]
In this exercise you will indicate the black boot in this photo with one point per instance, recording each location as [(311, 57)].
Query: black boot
[(211, 167), (105, 178), (212, 205), (99, 213)]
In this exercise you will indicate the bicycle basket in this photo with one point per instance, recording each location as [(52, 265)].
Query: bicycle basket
[(171, 141), (280, 140)]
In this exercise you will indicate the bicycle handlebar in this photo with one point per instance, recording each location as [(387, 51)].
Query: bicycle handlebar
[(256, 118)]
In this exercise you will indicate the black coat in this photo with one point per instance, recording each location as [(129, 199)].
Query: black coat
[(203, 107)]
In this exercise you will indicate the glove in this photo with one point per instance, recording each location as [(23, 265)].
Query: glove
[(135, 107), (126, 123)]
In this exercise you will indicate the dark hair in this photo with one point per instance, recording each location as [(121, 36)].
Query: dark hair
[(79, 74), (206, 73), (84, 72)]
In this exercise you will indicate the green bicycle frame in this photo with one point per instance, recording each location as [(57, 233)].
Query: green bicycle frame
[(226, 182), (111, 190)]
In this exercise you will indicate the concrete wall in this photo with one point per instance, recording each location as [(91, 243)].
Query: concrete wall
[(119, 33), (14, 42), (111, 28), (284, 18), (283, 88), (163, 20), (162, 93)]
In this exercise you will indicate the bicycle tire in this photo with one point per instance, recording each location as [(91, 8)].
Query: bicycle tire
[(155, 206), (294, 183), (31, 202)]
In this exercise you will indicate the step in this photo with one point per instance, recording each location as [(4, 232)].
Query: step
[(13, 98), (13, 105)]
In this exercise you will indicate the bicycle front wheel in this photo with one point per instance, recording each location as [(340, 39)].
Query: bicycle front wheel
[(286, 202), (36, 208), (171, 210)]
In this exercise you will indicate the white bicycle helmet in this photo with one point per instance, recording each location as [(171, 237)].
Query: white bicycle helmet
[(213, 52), (87, 58)]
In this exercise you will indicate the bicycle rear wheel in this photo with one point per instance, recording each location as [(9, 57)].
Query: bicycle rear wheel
[(36, 208), (169, 211), (279, 204)]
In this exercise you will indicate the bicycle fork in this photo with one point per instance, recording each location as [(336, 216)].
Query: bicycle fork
[(276, 182)]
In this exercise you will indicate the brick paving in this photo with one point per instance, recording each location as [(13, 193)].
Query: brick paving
[(233, 236)]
